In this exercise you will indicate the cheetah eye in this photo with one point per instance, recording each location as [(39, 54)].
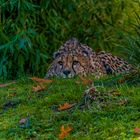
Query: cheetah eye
[(75, 62), (60, 62)]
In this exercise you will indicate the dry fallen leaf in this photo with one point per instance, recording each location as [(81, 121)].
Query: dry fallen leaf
[(40, 80), (38, 88), (64, 131), (86, 82), (65, 106), (5, 85), (137, 130), (41, 83)]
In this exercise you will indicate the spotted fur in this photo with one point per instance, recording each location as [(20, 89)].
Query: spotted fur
[(74, 58)]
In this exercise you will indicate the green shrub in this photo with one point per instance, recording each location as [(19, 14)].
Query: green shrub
[(30, 31), (130, 45), (130, 48)]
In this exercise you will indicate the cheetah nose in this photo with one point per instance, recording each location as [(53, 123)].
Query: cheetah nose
[(66, 72)]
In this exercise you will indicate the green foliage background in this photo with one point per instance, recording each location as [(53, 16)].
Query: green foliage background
[(30, 30)]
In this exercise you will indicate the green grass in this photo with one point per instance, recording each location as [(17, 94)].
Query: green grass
[(111, 119)]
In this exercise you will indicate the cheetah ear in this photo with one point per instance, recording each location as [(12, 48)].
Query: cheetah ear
[(56, 54), (85, 53)]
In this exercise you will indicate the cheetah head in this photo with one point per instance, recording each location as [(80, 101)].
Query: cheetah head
[(69, 64), (73, 58)]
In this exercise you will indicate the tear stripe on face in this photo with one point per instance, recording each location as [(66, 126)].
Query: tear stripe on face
[(80, 66)]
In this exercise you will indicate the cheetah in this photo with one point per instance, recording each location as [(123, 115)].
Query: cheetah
[(74, 58)]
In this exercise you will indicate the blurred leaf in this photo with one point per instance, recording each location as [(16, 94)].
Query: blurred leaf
[(137, 130), (64, 131), (7, 84), (38, 88), (65, 106), (41, 80)]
